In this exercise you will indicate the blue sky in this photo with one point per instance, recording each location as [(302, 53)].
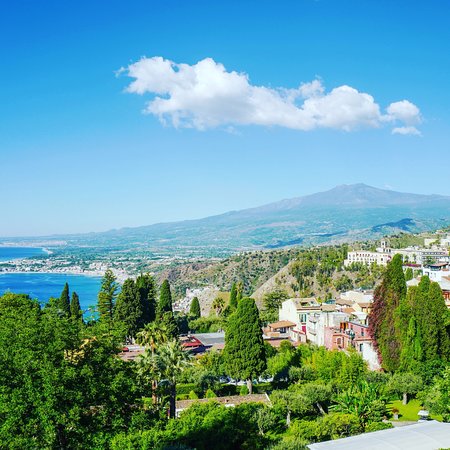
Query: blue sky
[(77, 153)]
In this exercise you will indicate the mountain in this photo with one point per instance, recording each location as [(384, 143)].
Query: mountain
[(344, 213)]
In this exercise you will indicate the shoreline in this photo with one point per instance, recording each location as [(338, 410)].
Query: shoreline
[(121, 277)]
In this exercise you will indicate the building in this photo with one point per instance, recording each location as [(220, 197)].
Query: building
[(367, 257), (352, 334), (424, 435), (297, 310), (318, 321), (437, 271)]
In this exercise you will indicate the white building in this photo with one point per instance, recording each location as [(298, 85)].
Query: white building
[(366, 257)]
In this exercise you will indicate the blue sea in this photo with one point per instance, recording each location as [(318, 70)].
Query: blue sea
[(10, 253), (45, 285)]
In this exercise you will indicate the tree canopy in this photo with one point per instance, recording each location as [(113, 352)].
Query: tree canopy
[(244, 353)]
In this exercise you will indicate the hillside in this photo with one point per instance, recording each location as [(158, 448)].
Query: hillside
[(345, 213)]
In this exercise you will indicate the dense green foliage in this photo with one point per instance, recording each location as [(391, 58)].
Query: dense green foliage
[(128, 308), (244, 353), (383, 319), (410, 328), (195, 311), (107, 296), (165, 299), (233, 296), (75, 308), (64, 300), (60, 385)]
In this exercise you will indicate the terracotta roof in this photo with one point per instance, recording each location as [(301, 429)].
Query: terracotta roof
[(282, 324), (348, 310)]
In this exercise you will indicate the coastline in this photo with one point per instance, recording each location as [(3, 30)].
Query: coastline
[(121, 276)]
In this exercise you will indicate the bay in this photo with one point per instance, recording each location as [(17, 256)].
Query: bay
[(42, 286), (11, 253)]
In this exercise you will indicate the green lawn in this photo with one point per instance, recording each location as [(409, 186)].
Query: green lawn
[(409, 412)]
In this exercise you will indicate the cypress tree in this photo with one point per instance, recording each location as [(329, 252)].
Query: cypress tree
[(435, 335), (147, 294), (384, 324), (64, 300), (164, 309), (165, 299), (409, 275), (128, 309), (75, 308), (195, 310), (233, 297), (107, 296), (244, 353), (240, 290)]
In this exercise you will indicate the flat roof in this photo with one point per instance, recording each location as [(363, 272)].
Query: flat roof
[(210, 339), (282, 324), (426, 435)]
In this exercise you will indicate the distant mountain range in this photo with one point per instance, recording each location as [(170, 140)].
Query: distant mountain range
[(344, 213)]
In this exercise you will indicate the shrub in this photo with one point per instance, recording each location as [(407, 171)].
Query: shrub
[(243, 390), (210, 394), (193, 395)]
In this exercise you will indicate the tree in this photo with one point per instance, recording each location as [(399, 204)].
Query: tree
[(406, 384), (170, 361), (218, 305), (424, 335), (409, 275), (438, 397), (239, 291), (107, 296), (233, 297), (365, 401), (244, 353), (128, 309), (195, 311), (147, 293), (75, 308), (64, 300), (272, 303), (165, 299), (384, 324), (58, 390)]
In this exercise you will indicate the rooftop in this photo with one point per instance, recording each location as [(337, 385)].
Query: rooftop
[(282, 324), (427, 435)]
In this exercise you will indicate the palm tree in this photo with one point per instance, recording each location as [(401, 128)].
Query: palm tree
[(153, 335), (170, 361), (218, 305)]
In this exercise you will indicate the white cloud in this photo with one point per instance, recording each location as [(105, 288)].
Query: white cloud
[(206, 95), (405, 111), (407, 130)]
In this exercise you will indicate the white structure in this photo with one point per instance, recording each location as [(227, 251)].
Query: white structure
[(436, 272), (424, 435), (317, 321), (366, 257), (297, 310)]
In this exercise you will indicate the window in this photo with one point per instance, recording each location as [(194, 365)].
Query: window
[(303, 317), (361, 346)]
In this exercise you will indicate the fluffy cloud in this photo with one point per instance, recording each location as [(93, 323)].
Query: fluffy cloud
[(407, 130), (206, 95)]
